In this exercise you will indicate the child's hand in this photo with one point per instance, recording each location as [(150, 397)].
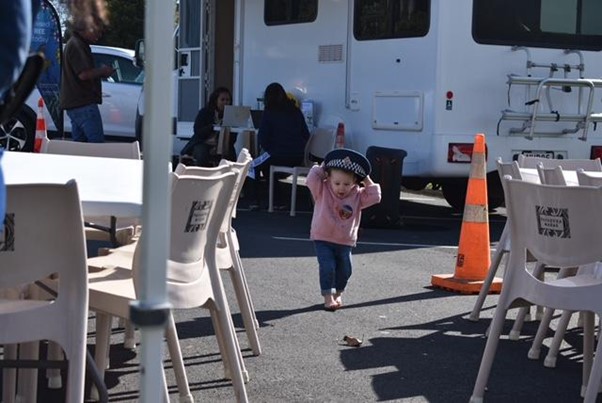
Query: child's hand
[(367, 181)]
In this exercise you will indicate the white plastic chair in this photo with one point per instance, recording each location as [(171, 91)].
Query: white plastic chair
[(319, 144), (556, 225), (101, 228), (228, 247), (32, 251), (193, 279), (566, 164)]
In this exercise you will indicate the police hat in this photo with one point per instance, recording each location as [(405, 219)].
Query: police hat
[(348, 160)]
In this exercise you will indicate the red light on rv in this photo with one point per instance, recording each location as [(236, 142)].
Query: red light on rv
[(460, 153), (449, 95), (596, 152)]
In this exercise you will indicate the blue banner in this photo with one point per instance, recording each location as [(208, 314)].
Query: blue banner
[(47, 39)]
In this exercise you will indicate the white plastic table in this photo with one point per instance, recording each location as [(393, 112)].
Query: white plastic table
[(107, 186)]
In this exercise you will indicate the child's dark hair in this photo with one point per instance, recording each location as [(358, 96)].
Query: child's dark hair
[(355, 176)]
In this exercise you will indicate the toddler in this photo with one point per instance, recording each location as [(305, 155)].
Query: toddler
[(339, 200)]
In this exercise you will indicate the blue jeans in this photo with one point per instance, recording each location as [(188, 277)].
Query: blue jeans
[(86, 124), (335, 266)]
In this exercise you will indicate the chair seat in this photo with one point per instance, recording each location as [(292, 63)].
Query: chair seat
[(8, 306)]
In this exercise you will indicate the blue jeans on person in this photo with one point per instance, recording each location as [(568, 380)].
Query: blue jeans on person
[(86, 124), (335, 266)]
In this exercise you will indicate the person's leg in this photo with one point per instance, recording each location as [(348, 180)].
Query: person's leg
[(76, 117), (86, 124), (342, 271), (200, 152), (92, 125), (326, 262)]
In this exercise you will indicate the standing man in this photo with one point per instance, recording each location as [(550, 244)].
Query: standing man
[(81, 82)]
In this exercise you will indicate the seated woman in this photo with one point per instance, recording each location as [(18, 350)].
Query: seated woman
[(202, 146), (283, 132)]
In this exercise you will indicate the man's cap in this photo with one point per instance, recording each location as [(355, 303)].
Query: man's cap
[(348, 160)]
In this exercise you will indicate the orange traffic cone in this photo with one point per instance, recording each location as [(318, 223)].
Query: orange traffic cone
[(474, 256), (41, 132), (340, 139)]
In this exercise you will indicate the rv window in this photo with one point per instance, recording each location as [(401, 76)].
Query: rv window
[(282, 12), (560, 24), (385, 19)]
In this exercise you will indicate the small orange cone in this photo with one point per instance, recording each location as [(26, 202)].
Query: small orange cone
[(474, 255), (41, 132)]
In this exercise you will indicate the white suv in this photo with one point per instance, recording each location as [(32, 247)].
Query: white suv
[(120, 94)]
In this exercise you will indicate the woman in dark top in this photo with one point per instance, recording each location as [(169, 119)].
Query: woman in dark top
[(202, 146), (283, 132)]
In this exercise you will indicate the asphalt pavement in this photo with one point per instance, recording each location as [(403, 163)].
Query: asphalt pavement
[(417, 344)]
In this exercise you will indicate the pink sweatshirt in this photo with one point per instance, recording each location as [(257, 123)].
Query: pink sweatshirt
[(337, 220)]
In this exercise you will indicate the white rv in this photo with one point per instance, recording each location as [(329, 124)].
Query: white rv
[(424, 76)]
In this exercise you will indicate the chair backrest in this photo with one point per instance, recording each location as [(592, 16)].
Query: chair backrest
[(44, 234), (551, 176), (567, 164), (508, 168), (586, 179), (198, 206), (240, 168), (321, 141), (556, 224), (109, 150)]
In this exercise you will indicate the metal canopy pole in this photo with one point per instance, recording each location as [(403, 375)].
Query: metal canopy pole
[(150, 312)]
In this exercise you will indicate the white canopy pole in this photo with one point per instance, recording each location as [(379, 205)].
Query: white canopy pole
[(150, 312)]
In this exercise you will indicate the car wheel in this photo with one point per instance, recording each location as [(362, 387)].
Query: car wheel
[(18, 133), (138, 128)]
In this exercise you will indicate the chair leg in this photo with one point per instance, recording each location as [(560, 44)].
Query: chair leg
[(55, 352), (27, 385), (542, 330), (177, 361), (103, 341), (220, 342), (495, 263), (488, 355), (522, 314), (240, 270), (129, 336), (9, 375), (246, 311), (563, 323), (271, 191), (588, 357), (294, 193)]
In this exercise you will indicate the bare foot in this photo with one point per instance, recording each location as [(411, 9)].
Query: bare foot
[(338, 299), (329, 303)]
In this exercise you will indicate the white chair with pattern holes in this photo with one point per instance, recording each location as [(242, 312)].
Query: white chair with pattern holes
[(228, 247), (193, 278), (557, 226), (31, 251), (320, 142), (121, 231)]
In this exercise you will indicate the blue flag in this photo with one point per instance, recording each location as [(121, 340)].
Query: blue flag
[(47, 39)]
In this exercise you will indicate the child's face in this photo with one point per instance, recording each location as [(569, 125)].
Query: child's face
[(341, 182)]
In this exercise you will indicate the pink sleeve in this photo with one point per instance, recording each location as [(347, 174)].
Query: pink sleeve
[(314, 180), (370, 195)]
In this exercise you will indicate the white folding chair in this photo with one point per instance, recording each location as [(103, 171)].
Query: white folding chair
[(228, 247), (31, 251), (559, 227), (101, 228), (198, 208), (319, 144)]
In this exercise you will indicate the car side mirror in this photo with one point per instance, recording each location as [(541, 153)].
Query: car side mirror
[(139, 53)]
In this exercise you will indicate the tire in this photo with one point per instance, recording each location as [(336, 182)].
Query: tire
[(138, 128), (454, 192), (415, 184), (19, 132)]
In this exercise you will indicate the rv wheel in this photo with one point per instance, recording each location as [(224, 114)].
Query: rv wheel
[(454, 192)]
